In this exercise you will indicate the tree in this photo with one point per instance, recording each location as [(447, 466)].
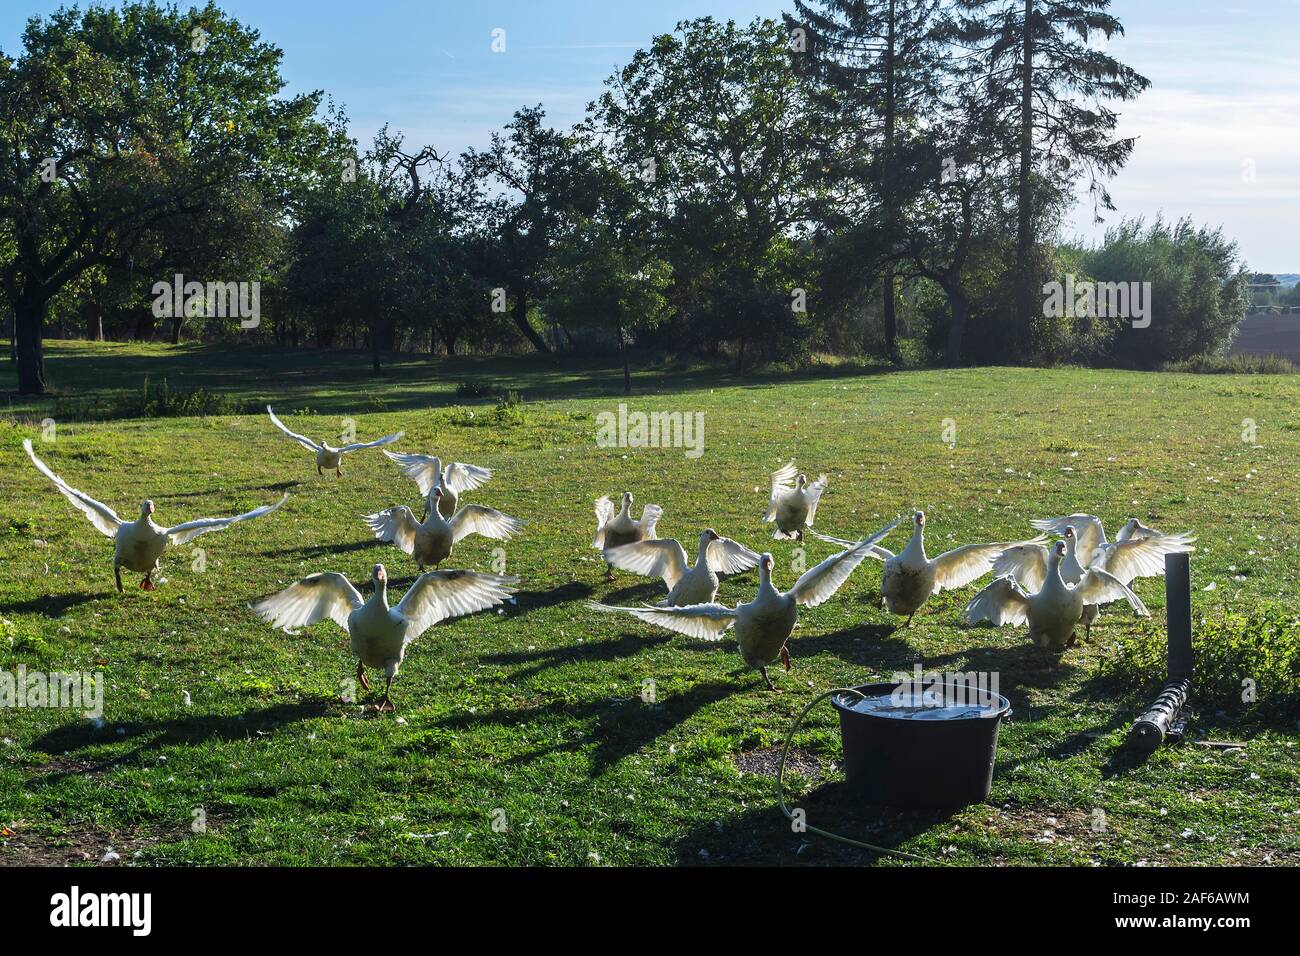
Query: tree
[(713, 125), (530, 182), (112, 123), (879, 64), (1034, 62)]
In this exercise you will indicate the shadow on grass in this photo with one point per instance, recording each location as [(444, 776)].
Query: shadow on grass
[(530, 601), (147, 737), (53, 605), (763, 836), (614, 729), (628, 645), (320, 550), (296, 375)]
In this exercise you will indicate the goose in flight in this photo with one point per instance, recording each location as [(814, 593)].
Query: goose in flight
[(430, 541), (1138, 554), (666, 558), (1054, 610), (328, 456), (428, 471), (793, 502), (618, 528), (138, 545), (379, 634), (909, 577), (763, 625)]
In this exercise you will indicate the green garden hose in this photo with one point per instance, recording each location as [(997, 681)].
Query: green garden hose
[(780, 789)]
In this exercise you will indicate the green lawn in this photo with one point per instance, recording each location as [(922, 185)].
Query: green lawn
[(538, 710)]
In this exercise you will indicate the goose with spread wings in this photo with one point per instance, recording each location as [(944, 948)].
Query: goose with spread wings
[(1054, 610), (666, 558), (910, 577), (616, 527), (378, 634), (763, 625), (327, 456), (138, 545), (454, 480), (1138, 552), (430, 541), (792, 505)]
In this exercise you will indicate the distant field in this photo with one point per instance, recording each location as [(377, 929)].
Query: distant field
[(1268, 335), (537, 711)]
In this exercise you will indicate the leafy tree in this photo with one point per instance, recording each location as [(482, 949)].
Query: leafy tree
[(114, 121), (715, 125), (879, 65), (531, 181), (1033, 62)]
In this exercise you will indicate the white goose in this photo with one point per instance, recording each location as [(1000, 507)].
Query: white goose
[(328, 456), (139, 544), (909, 577), (428, 471), (1139, 553), (379, 634), (793, 502), (1054, 610), (615, 528), (666, 558), (430, 541), (764, 624)]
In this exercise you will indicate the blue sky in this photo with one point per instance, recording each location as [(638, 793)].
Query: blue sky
[(1219, 130)]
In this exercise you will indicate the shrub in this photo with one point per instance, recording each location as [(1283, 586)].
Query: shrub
[(1256, 651), (1235, 365), (151, 401)]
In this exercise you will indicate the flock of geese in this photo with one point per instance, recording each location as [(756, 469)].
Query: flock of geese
[(1052, 586)]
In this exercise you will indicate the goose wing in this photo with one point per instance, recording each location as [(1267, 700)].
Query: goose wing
[(782, 485), (650, 516), (819, 583), (314, 598), (423, 468), (192, 529), (604, 511), (300, 439), (655, 558), (730, 557), (438, 595), (462, 477), (386, 440), (960, 566), (1001, 602), (814, 494), (705, 621), (1027, 563), (877, 552), (103, 517), (490, 523), (1090, 535), (1102, 587), (1140, 557), (397, 525)]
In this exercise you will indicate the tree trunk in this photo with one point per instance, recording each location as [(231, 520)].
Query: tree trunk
[(520, 315), (176, 329), (29, 329), (1024, 185), (376, 368), (627, 371), (449, 338), (93, 318), (959, 306), (891, 112)]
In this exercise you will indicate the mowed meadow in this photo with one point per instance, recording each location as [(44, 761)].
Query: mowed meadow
[(524, 736)]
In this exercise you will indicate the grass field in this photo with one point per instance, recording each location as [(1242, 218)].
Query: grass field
[(538, 711)]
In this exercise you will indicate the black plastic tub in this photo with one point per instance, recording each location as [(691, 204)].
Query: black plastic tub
[(941, 759)]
